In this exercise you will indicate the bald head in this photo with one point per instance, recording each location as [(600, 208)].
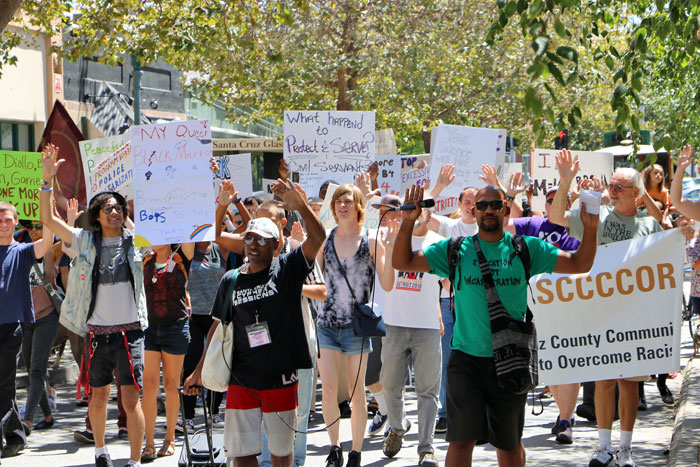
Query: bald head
[(490, 190)]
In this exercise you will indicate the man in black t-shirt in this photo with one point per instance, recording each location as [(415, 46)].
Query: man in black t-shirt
[(269, 336)]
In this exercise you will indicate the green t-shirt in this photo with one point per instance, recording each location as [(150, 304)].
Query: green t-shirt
[(472, 328), (613, 227)]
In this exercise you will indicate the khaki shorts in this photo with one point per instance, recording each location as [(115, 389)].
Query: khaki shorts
[(245, 413), (637, 378)]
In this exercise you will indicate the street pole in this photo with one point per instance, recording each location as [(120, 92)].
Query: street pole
[(136, 64)]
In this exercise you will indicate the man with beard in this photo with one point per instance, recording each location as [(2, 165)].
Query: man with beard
[(486, 411)]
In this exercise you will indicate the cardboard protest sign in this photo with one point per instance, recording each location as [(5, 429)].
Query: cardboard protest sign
[(619, 320), (20, 179), (544, 174), (108, 165), (174, 200), (237, 168), (312, 182), (389, 178), (331, 143), (467, 149)]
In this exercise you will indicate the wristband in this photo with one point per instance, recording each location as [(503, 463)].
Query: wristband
[(510, 198), (46, 189), (238, 200), (44, 183)]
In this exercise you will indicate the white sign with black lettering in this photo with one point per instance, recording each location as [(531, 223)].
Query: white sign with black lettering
[(544, 174), (620, 320)]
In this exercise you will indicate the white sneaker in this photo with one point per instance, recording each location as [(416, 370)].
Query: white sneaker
[(624, 457), (179, 427), (217, 421), (602, 457)]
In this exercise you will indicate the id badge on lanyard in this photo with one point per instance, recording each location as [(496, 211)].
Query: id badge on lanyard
[(258, 333)]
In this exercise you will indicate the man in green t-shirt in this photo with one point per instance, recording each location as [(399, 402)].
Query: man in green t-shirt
[(480, 409), (619, 221)]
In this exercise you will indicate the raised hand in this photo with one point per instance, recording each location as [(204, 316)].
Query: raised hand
[(227, 193), (388, 237), (421, 163), (413, 195), (214, 165), (567, 165), (373, 171), (290, 194), (50, 162), (515, 184), (72, 212), (302, 191), (446, 176), (283, 169), (490, 176), (298, 232), (685, 158), (363, 182)]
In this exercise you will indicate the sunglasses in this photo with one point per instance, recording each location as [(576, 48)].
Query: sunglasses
[(549, 200), (35, 226), (496, 205), (249, 239), (108, 208)]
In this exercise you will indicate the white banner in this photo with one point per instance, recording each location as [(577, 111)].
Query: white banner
[(329, 142), (237, 168), (173, 196), (544, 174), (108, 165), (389, 179), (467, 149), (620, 320)]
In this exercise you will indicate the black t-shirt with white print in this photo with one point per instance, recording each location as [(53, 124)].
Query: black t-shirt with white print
[(275, 294)]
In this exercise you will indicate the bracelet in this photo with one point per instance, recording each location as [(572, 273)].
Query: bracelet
[(510, 198), (238, 200), (44, 183), (46, 189)]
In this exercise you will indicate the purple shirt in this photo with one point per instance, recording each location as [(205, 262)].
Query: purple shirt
[(541, 228)]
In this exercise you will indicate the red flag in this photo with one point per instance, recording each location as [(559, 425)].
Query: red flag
[(62, 132)]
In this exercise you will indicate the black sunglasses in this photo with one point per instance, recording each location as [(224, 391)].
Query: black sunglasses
[(108, 208), (496, 205)]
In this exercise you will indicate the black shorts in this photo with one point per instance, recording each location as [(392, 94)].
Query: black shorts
[(477, 408), (169, 338), (109, 352)]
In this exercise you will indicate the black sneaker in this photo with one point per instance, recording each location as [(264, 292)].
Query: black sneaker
[(441, 425), (642, 405), (11, 449), (586, 411), (335, 458), (559, 427), (353, 459), (103, 461), (85, 437), (666, 395)]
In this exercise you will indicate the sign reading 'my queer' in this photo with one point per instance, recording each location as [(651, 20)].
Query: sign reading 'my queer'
[(173, 195), (334, 144), (20, 178)]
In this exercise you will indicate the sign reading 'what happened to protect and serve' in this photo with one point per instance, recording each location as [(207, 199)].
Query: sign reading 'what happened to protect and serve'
[(20, 178), (331, 143), (173, 194)]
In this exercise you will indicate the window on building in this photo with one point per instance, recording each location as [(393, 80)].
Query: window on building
[(17, 136)]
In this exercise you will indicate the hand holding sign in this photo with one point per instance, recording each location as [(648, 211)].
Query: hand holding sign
[(49, 162)]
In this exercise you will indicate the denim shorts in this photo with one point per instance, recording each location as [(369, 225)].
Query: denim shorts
[(344, 340), (110, 352), (169, 338)]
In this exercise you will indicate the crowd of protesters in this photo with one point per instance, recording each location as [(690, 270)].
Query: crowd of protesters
[(135, 315)]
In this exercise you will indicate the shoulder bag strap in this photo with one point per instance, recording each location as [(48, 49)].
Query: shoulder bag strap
[(522, 251), (496, 308), (340, 265), (227, 313)]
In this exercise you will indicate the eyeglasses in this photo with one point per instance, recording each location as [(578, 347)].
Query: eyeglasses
[(108, 208), (249, 239), (35, 226), (617, 187), (496, 205)]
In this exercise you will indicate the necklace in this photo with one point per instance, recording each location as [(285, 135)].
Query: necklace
[(157, 275)]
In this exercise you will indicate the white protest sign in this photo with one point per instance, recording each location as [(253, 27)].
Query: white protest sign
[(467, 149), (410, 175), (267, 192), (544, 174), (173, 196), (328, 142), (509, 169), (237, 168), (312, 182), (107, 165), (389, 178), (620, 320)]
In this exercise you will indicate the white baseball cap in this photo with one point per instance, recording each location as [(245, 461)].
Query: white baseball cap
[(263, 227)]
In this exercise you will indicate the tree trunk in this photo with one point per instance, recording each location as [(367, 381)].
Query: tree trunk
[(7, 11)]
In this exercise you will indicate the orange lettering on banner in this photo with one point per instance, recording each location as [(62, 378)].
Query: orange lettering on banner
[(542, 287), (599, 284), (579, 288), (618, 278), (650, 274), (665, 271), (560, 293)]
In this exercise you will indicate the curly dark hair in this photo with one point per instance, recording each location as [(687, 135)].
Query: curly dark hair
[(96, 204)]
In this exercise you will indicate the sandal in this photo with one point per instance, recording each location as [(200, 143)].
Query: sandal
[(167, 449), (148, 454)]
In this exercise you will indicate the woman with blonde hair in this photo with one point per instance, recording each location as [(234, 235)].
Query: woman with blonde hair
[(348, 261)]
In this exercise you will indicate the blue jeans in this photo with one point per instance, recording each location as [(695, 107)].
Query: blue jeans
[(36, 347), (305, 392), (448, 322)]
